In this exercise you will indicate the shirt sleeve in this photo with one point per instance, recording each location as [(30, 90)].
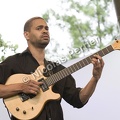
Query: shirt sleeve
[(68, 90), (71, 93), (5, 70)]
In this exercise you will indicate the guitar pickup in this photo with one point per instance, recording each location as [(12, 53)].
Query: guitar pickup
[(43, 86), (24, 97)]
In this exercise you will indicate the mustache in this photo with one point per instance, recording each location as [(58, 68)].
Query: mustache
[(45, 35)]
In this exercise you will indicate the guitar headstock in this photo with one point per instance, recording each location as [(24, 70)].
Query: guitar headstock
[(116, 45)]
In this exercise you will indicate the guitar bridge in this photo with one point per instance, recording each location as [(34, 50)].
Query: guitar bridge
[(43, 86), (25, 97)]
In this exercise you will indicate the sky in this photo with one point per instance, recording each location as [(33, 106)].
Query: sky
[(104, 104), (15, 13)]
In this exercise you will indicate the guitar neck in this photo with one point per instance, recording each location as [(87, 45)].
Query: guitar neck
[(73, 68)]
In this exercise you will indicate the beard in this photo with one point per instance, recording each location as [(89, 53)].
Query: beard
[(40, 43)]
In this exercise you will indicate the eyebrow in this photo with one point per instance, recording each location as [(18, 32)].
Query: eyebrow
[(42, 26)]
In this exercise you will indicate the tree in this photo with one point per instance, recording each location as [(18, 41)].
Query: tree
[(88, 24), (117, 8), (6, 47)]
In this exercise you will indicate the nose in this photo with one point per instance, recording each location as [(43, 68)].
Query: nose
[(45, 30)]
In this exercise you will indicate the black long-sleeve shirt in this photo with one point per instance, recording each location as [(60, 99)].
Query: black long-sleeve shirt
[(25, 63)]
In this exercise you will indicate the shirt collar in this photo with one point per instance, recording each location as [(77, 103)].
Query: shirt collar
[(27, 51)]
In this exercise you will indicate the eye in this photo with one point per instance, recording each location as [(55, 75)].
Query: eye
[(47, 28), (40, 28)]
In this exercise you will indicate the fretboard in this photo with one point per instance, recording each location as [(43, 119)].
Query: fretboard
[(75, 67)]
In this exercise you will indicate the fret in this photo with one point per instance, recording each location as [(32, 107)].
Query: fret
[(110, 48), (48, 81), (107, 49), (59, 74), (77, 66), (53, 79), (70, 69), (100, 53), (88, 59), (73, 68), (56, 76), (62, 73), (82, 63), (85, 61), (103, 53), (66, 72)]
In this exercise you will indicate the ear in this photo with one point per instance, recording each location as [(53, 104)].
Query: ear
[(26, 35)]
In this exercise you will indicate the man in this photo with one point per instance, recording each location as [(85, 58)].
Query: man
[(36, 33)]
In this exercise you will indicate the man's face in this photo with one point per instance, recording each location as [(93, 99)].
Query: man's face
[(38, 36)]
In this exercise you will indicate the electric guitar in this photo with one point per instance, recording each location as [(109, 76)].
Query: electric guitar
[(27, 107)]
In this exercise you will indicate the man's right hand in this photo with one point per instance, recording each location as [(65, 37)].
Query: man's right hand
[(32, 87)]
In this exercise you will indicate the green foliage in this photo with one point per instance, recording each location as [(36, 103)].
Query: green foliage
[(85, 21), (6, 47)]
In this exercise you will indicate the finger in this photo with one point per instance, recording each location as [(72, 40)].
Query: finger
[(34, 90), (94, 61), (99, 59), (94, 64), (33, 87), (35, 84), (101, 62)]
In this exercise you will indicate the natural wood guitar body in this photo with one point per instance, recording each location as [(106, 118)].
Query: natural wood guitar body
[(32, 107)]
